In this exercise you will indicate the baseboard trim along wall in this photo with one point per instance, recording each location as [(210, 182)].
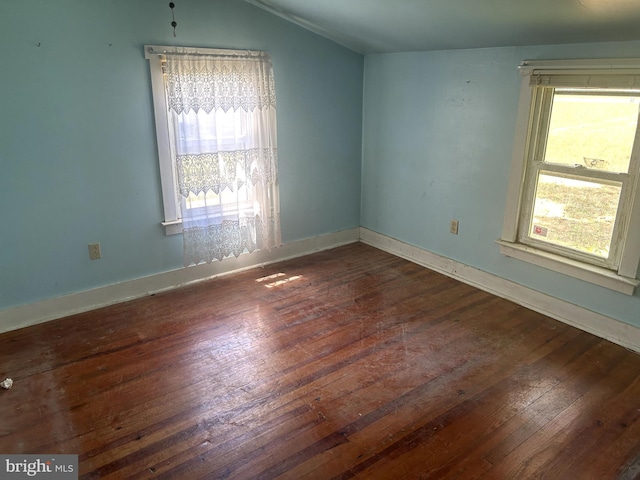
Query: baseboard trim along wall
[(50, 309), (597, 324)]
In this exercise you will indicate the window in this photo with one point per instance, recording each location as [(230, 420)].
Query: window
[(216, 131), (573, 198)]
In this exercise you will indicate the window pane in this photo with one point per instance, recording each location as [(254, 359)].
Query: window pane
[(200, 132), (576, 214), (202, 200), (592, 130)]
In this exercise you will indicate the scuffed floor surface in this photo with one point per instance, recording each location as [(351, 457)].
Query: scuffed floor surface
[(349, 363)]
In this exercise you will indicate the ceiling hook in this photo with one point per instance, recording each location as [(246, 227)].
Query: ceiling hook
[(174, 24)]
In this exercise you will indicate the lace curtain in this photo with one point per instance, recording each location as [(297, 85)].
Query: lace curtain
[(222, 115)]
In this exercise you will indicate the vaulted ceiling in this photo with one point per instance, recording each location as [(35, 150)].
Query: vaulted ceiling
[(380, 26)]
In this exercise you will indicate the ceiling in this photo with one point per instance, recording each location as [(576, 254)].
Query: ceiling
[(382, 26)]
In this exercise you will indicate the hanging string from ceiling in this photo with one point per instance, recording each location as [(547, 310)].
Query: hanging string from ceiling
[(174, 24)]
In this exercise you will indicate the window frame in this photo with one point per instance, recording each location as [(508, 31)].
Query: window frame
[(168, 176), (520, 194)]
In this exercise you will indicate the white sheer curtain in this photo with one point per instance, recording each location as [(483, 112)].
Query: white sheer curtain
[(222, 113)]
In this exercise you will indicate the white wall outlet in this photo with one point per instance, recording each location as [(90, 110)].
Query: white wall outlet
[(94, 251), (453, 227)]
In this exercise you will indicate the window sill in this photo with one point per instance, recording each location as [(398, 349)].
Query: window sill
[(172, 228), (573, 268)]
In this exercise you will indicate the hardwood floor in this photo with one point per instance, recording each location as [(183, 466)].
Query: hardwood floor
[(349, 363)]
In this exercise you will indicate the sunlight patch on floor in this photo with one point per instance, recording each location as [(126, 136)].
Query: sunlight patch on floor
[(277, 283)]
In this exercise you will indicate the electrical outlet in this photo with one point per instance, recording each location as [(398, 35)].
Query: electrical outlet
[(94, 251), (453, 227)]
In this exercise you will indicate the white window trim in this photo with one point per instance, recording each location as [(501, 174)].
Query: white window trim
[(172, 221), (623, 280)]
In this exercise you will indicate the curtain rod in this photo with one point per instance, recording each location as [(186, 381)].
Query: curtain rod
[(225, 53), (593, 64)]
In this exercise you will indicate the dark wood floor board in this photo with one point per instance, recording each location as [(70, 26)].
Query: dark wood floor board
[(229, 411), (616, 458), (373, 430), (211, 437), (349, 363), (607, 427), (132, 388), (544, 435), (332, 384), (132, 392), (461, 428), (476, 381), (598, 423), (572, 422), (542, 410), (430, 426), (237, 413), (241, 458), (471, 435), (353, 381)]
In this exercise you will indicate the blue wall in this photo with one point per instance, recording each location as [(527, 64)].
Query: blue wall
[(437, 144), (78, 152), (77, 141)]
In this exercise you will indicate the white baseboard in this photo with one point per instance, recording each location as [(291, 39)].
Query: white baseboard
[(600, 325), (52, 308)]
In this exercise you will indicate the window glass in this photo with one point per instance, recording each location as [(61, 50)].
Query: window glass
[(574, 213), (592, 129)]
